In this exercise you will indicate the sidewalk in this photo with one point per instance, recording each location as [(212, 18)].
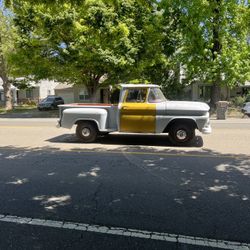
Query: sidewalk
[(229, 120)]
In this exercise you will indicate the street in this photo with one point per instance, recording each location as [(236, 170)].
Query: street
[(124, 191)]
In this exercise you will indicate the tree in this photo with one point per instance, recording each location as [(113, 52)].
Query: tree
[(7, 39), (167, 71), (85, 43), (215, 46)]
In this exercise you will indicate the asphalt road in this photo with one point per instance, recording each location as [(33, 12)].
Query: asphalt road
[(123, 182)]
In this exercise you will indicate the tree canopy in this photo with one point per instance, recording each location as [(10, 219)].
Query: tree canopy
[(88, 42), (214, 45), (109, 41)]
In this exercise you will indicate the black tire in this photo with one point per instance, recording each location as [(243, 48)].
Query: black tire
[(181, 134), (86, 131), (248, 115)]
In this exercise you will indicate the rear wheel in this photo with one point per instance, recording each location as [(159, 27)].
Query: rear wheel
[(181, 134), (86, 131)]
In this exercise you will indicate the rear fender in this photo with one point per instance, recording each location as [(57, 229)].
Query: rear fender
[(73, 116)]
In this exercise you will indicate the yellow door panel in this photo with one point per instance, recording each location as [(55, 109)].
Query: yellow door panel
[(137, 117)]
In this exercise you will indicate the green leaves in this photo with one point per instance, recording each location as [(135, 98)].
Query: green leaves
[(81, 41), (92, 39)]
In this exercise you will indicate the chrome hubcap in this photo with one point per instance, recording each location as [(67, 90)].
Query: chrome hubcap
[(181, 134), (86, 132)]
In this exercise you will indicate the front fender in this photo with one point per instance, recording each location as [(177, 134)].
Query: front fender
[(199, 122)]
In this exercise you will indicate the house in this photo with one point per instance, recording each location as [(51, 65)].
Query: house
[(201, 92), (40, 90), (13, 91), (36, 91), (80, 94)]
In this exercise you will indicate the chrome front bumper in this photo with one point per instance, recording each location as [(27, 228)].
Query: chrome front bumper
[(207, 129)]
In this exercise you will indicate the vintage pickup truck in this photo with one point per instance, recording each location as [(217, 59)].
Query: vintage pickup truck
[(142, 108)]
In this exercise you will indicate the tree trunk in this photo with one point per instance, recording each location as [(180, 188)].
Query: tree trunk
[(7, 94), (93, 87), (6, 85), (216, 50), (215, 95), (6, 82), (92, 91)]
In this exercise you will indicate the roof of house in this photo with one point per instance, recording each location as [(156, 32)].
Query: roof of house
[(63, 86), (1, 85), (139, 85)]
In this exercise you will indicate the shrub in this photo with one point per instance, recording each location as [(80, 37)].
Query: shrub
[(248, 98), (238, 101)]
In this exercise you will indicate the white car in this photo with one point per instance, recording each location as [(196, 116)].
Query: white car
[(246, 109)]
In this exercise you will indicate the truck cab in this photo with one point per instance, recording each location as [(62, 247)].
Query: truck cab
[(142, 108)]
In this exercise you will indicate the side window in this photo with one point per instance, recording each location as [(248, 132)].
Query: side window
[(28, 93), (152, 96), (155, 96), (136, 95)]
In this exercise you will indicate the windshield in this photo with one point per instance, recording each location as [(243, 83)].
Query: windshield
[(155, 95), (48, 99)]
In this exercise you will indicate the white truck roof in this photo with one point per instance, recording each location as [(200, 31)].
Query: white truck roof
[(139, 85)]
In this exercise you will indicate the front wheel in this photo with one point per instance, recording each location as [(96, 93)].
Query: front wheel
[(86, 132), (181, 134)]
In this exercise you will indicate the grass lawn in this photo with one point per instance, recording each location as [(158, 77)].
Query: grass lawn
[(234, 112), (27, 111), (18, 109)]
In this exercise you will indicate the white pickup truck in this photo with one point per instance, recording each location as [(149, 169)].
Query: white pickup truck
[(142, 108)]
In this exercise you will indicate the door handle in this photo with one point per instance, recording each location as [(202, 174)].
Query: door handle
[(124, 107)]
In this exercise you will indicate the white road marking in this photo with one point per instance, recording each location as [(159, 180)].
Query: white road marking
[(175, 238)]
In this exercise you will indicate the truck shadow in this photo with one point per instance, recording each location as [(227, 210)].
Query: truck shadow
[(128, 139)]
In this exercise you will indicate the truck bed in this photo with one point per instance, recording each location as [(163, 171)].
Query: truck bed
[(112, 110), (74, 105)]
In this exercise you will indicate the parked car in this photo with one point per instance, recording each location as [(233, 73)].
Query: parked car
[(246, 109), (50, 102)]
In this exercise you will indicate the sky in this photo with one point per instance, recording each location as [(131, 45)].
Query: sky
[(6, 11)]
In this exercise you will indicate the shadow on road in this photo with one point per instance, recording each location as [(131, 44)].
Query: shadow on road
[(128, 139), (192, 193)]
